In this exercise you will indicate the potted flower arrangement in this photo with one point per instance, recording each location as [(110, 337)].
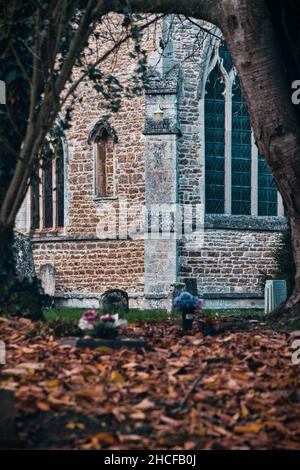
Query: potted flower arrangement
[(100, 326), (188, 305)]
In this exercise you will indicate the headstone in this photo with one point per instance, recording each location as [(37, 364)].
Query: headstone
[(23, 257), (8, 436), (191, 285), (115, 301), (47, 276), (275, 294)]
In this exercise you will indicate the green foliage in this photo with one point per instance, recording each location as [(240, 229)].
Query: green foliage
[(106, 330), (64, 327), (284, 262)]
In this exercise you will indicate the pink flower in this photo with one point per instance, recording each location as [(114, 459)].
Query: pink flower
[(107, 318), (90, 316)]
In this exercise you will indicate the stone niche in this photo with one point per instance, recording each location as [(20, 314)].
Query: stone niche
[(47, 276)]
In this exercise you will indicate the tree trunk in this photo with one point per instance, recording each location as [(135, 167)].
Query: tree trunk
[(291, 307), (5, 235), (249, 32)]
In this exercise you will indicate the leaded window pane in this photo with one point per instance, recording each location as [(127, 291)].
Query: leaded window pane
[(241, 154), (267, 192), (60, 196), (225, 55), (48, 203), (214, 143), (35, 204)]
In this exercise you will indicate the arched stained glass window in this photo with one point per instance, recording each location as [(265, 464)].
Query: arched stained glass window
[(241, 153), (225, 56), (47, 199), (267, 192), (214, 143), (236, 156), (47, 193), (35, 202), (60, 185)]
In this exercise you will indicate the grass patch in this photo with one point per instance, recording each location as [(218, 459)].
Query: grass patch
[(67, 313), (241, 313), (136, 315)]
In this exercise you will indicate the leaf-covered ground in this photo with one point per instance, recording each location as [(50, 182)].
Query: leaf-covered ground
[(236, 390)]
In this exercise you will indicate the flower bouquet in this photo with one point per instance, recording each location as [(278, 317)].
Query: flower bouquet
[(188, 305), (101, 326)]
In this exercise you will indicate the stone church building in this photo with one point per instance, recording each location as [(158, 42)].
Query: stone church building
[(186, 141)]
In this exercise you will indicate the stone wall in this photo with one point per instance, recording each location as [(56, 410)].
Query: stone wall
[(86, 260), (191, 47), (92, 266), (230, 261)]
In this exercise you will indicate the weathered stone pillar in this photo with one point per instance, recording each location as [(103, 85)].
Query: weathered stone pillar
[(161, 186)]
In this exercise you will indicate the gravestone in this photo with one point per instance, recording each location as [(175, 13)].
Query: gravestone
[(47, 276), (114, 301), (191, 285), (23, 257), (275, 294)]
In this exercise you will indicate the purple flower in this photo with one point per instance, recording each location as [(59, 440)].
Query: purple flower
[(90, 316), (199, 304)]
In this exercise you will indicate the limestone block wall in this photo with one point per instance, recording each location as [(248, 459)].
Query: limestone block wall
[(85, 258), (190, 48), (92, 266), (230, 261)]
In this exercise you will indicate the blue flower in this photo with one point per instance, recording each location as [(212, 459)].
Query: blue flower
[(185, 301)]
